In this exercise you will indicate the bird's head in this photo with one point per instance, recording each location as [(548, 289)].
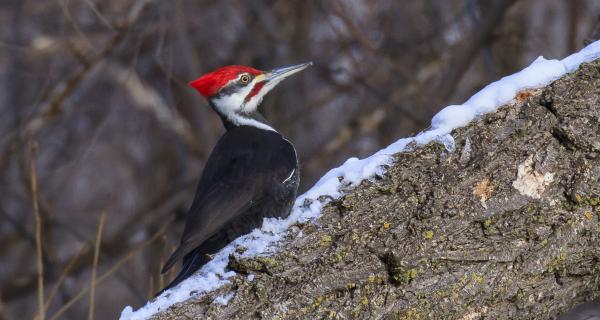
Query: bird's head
[(236, 91)]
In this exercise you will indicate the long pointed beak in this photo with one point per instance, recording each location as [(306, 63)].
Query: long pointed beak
[(276, 75)]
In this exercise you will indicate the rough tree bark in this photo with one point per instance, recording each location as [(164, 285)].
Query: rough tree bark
[(507, 226)]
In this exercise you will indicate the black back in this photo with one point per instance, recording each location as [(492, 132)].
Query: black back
[(250, 174)]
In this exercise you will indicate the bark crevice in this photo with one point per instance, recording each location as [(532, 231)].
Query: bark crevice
[(505, 227)]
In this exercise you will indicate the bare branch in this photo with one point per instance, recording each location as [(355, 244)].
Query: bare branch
[(38, 233), (464, 55), (151, 101), (110, 272), (95, 266)]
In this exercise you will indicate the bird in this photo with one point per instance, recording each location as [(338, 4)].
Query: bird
[(252, 172)]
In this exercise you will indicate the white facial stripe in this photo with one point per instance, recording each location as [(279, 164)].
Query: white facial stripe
[(235, 102), (252, 104), (232, 103), (233, 106)]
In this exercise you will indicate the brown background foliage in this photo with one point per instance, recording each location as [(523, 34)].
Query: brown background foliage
[(101, 88)]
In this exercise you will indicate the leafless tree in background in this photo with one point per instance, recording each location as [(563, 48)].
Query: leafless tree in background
[(101, 88)]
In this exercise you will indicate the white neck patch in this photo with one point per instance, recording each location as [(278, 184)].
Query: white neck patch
[(233, 106), (243, 121), (233, 103)]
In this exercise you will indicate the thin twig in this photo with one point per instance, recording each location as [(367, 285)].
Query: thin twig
[(100, 16), (63, 275), (151, 101), (112, 270), (161, 277), (95, 266), (150, 287), (464, 55), (69, 17), (52, 106), (38, 232), (114, 247)]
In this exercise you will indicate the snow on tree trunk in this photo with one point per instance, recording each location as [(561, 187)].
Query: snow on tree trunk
[(506, 226)]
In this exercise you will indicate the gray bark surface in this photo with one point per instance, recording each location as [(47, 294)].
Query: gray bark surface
[(505, 227)]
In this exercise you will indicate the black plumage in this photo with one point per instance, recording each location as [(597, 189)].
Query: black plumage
[(251, 174)]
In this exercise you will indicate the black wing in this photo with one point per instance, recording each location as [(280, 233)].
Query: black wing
[(241, 168)]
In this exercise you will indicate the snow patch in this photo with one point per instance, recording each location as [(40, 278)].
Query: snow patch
[(332, 185), (224, 299)]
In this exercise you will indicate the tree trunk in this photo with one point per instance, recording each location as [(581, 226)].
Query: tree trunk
[(507, 226)]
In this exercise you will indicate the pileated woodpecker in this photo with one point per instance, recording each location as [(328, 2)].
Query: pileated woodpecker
[(252, 172)]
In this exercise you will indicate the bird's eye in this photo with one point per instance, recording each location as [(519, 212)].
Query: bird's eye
[(245, 79)]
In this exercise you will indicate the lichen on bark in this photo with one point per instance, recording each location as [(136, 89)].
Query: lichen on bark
[(450, 235)]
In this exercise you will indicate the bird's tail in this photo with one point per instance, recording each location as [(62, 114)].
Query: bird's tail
[(191, 263)]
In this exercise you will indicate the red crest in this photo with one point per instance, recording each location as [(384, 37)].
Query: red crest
[(209, 84)]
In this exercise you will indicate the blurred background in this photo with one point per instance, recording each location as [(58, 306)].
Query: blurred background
[(97, 119)]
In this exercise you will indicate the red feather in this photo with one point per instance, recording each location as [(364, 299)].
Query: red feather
[(209, 84), (254, 90)]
